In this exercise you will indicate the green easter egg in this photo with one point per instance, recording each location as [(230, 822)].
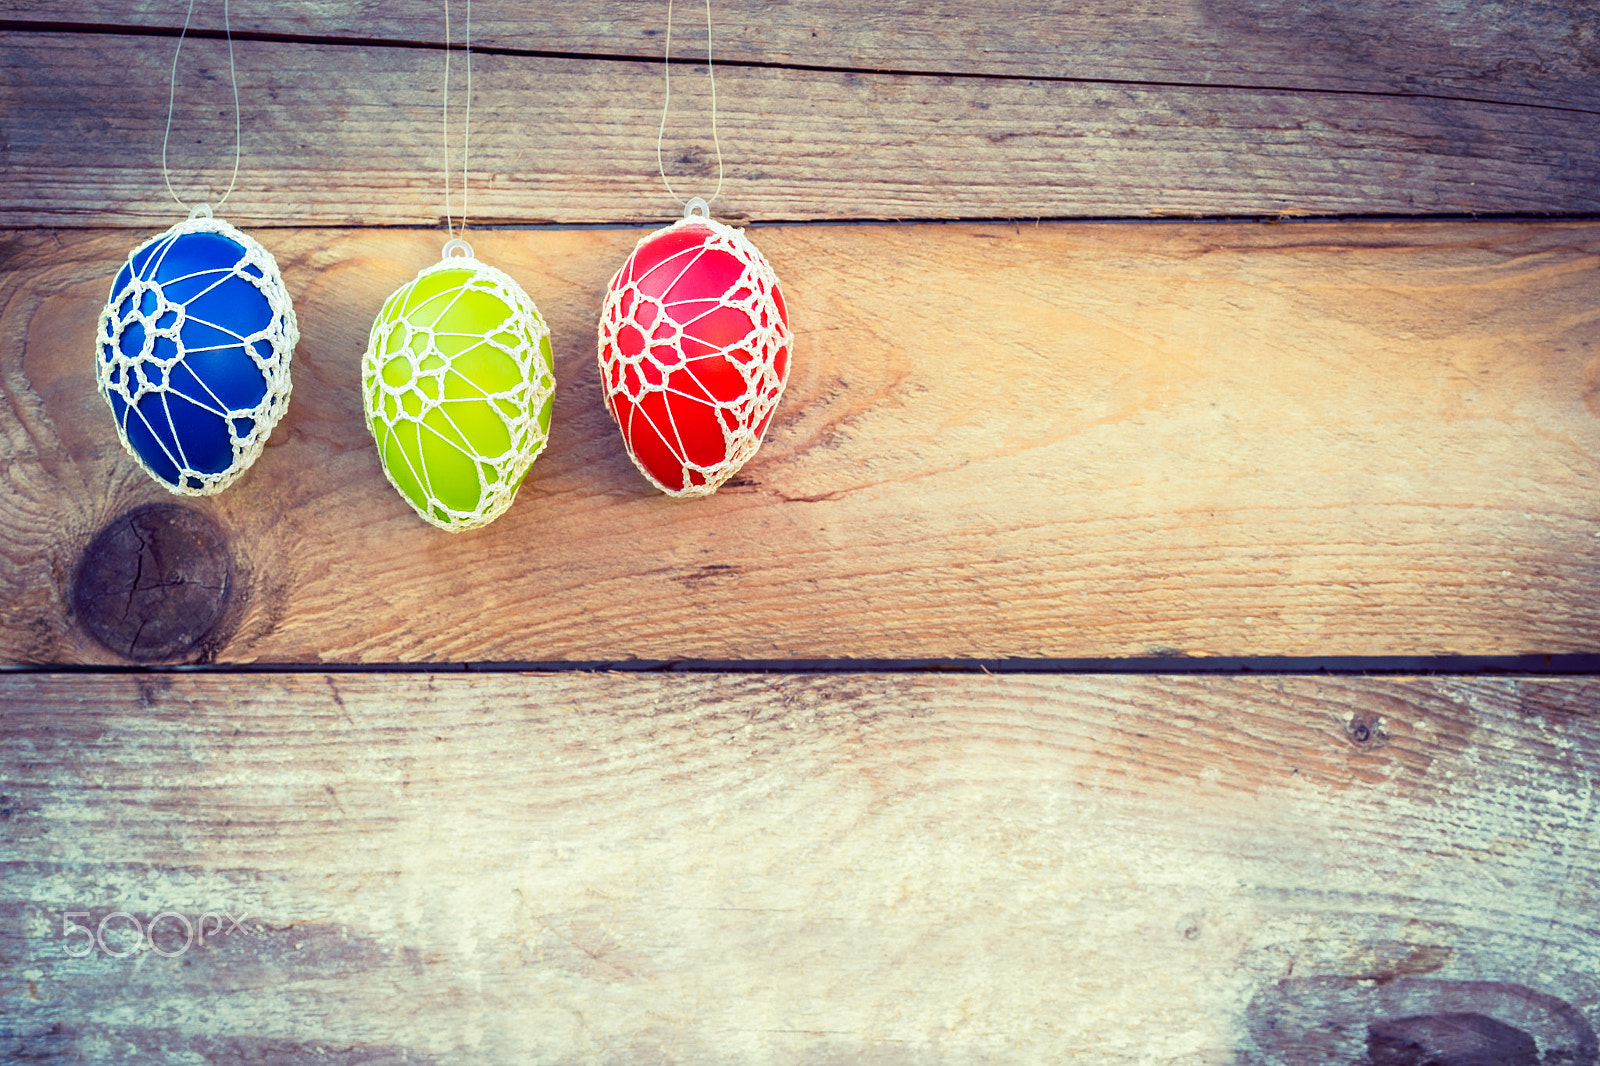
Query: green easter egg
[(457, 383)]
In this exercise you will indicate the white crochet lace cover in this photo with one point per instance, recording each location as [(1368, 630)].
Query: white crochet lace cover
[(413, 388), (762, 356), (142, 301)]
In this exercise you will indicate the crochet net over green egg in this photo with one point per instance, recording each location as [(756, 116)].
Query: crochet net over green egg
[(457, 383)]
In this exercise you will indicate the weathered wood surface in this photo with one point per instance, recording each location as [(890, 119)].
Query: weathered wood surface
[(866, 869), (1537, 53), (1307, 439), (343, 135)]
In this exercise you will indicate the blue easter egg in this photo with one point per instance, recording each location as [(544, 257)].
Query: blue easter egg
[(193, 354)]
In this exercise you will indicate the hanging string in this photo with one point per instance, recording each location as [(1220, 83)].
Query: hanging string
[(466, 134), (666, 104), (172, 95)]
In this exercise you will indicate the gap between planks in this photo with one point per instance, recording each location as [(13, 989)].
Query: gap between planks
[(1530, 666)]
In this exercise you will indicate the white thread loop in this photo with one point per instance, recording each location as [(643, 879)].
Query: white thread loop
[(696, 208), (466, 122), (201, 211), (457, 248), (666, 105), (172, 96)]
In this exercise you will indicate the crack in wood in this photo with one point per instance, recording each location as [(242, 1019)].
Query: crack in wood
[(337, 41)]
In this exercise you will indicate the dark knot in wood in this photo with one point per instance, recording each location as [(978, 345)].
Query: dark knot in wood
[(1451, 1039), (154, 583)]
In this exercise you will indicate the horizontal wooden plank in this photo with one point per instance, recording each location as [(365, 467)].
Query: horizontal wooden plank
[(1037, 441), (743, 869), (1531, 53), (352, 135)]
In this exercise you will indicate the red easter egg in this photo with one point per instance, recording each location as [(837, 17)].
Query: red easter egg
[(694, 354)]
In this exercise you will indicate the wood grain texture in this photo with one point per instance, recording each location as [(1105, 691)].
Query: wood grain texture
[(1040, 441), (346, 135), (897, 870), (1530, 52)]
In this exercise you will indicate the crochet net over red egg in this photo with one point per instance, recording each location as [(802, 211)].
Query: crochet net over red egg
[(694, 354)]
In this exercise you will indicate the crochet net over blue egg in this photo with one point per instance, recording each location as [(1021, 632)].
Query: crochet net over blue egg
[(193, 354)]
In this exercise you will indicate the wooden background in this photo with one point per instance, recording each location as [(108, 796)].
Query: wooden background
[(1129, 335)]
